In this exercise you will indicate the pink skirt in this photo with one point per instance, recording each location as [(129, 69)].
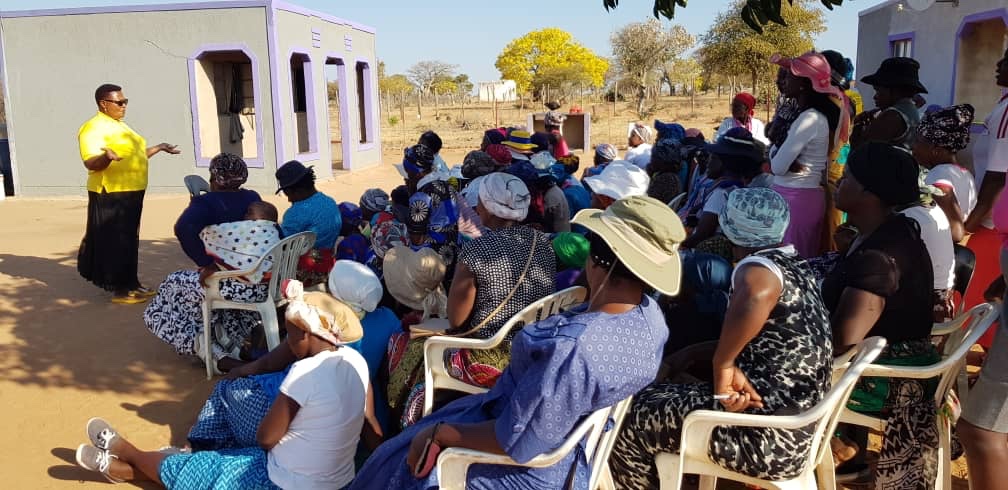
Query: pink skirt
[(808, 208)]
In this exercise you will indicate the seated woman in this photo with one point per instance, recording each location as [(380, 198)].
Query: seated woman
[(882, 286), (556, 377), (175, 315), (940, 136), (604, 155), (226, 202), (697, 312), (498, 274), (312, 211), (733, 157), (306, 439), (774, 354), (742, 110), (664, 169)]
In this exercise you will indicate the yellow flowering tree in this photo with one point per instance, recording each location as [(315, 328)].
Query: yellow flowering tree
[(549, 56)]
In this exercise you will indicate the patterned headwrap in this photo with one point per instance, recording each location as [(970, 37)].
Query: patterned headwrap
[(642, 131), (500, 153), (670, 131), (240, 244), (554, 118), (228, 171), (418, 159), (755, 217), (607, 151), (505, 196), (571, 249), (948, 128), (418, 219), (387, 235), (374, 200), (478, 163)]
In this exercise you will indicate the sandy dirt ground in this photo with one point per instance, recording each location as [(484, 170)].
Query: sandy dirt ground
[(67, 353)]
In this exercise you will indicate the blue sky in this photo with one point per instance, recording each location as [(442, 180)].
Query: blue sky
[(471, 34)]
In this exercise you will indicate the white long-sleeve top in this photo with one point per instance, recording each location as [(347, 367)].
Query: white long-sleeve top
[(758, 129), (807, 143)]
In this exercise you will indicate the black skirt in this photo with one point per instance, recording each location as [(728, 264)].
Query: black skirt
[(109, 251)]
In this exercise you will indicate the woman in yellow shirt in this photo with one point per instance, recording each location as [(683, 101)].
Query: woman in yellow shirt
[(116, 159)]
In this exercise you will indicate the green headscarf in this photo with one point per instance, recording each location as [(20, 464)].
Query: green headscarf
[(571, 249)]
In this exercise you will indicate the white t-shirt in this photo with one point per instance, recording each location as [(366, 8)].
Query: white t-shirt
[(990, 151), (937, 236), (758, 130), (317, 452), (639, 155), (807, 143), (959, 179)]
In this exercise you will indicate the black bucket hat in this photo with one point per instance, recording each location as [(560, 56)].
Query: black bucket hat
[(897, 72), (290, 173)]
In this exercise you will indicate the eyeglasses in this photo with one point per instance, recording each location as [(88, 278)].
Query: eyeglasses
[(120, 103)]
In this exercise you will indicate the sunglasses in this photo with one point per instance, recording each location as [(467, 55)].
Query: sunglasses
[(120, 103)]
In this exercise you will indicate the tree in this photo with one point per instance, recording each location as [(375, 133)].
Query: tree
[(425, 73), (546, 53), (756, 13), (396, 85), (731, 48), (462, 83), (641, 48)]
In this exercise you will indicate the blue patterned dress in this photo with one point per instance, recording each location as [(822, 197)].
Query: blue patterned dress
[(562, 369)]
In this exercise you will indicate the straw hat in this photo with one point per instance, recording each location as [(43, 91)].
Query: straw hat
[(645, 235), (321, 315), (414, 278)]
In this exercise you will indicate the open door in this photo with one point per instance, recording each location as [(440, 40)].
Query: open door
[(339, 129)]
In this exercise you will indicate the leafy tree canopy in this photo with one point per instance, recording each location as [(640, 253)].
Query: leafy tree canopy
[(539, 55)]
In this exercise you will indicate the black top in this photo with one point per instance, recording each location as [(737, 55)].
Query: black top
[(893, 263)]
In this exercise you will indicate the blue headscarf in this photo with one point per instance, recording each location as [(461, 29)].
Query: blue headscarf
[(710, 278), (670, 131)]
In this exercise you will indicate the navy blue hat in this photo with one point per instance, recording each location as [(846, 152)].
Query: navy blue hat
[(291, 173)]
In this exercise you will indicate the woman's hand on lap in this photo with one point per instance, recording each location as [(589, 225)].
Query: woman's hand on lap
[(417, 446), (741, 395)]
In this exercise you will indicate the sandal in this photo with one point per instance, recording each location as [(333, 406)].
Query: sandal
[(101, 433), (130, 298), (97, 460), (144, 292)]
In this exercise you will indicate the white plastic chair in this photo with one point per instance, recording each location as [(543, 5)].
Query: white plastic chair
[(284, 255), (960, 340), (453, 463), (436, 373), (698, 426), (677, 201)]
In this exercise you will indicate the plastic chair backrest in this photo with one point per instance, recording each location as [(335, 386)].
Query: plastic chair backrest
[(677, 201), (826, 414), (965, 262), (285, 257), (958, 343), (541, 310), (196, 185), (603, 438)]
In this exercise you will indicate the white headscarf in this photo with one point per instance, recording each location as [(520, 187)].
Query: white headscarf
[(505, 196), (355, 285)]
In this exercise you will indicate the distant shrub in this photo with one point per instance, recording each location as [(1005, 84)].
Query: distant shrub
[(393, 120)]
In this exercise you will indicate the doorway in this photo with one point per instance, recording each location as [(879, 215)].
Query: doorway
[(981, 42), (336, 104)]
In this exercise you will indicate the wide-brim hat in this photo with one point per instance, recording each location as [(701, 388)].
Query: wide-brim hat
[(620, 179), (738, 142), (897, 72), (344, 321), (411, 276), (645, 234), (290, 173), (519, 140)]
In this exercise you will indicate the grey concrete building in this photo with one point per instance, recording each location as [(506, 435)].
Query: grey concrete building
[(250, 77)]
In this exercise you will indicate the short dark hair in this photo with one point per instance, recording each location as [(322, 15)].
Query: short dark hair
[(104, 89), (603, 256), (431, 140)]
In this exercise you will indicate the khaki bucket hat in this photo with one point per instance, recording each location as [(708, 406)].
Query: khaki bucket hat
[(645, 234)]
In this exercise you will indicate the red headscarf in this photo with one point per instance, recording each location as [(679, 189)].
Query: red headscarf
[(499, 153), (747, 99)]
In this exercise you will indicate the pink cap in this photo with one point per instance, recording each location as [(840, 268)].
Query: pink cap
[(814, 67)]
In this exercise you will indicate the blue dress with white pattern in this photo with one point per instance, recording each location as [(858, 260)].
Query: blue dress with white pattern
[(562, 369)]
